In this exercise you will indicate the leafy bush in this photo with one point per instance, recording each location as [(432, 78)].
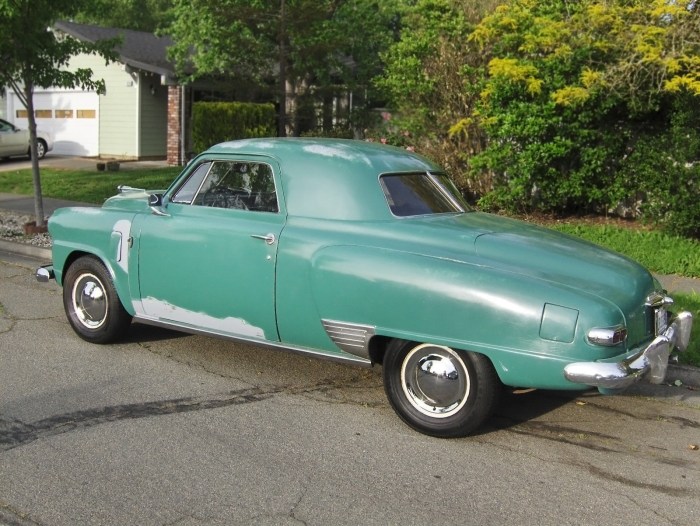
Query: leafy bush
[(215, 122)]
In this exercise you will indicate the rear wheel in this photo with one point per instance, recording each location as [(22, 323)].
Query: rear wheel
[(41, 149), (91, 302), (437, 390)]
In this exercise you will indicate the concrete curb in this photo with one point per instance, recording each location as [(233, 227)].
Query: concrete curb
[(25, 249)]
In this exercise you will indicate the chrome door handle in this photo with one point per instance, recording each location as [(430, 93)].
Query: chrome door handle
[(269, 238)]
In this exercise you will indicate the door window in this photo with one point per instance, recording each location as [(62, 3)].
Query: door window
[(240, 185)]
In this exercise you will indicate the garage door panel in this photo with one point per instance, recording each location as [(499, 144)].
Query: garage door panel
[(71, 117)]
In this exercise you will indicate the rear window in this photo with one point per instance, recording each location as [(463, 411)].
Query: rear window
[(421, 193)]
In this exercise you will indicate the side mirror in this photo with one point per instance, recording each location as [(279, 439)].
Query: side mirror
[(155, 202)]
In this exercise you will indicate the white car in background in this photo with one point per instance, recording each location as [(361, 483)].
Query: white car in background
[(15, 141)]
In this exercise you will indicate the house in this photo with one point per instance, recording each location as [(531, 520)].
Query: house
[(139, 117)]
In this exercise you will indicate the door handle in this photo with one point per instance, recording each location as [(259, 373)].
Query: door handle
[(269, 238)]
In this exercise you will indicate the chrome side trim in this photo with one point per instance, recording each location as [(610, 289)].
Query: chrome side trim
[(353, 338), (276, 346), (650, 361)]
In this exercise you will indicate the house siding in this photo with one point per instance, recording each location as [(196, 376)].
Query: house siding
[(118, 110), (153, 118)]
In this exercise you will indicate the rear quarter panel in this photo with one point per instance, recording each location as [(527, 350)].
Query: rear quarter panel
[(465, 305)]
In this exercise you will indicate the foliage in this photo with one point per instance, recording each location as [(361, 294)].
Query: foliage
[(310, 50), (214, 122), (32, 55), (587, 104), (140, 15), (572, 107), (87, 187), (431, 81)]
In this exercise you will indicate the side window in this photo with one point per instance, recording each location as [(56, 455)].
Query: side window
[(240, 185), (188, 190)]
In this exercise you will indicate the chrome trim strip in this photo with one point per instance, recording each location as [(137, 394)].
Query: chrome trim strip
[(276, 346), (353, 338), (650, 361)]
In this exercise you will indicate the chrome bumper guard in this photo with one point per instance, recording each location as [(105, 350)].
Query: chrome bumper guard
[(650, 362), (44, 274)]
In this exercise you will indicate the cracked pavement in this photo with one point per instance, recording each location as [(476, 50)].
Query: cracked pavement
[(172, 429)]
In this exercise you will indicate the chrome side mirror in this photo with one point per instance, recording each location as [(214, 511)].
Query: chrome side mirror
[(155, 203)]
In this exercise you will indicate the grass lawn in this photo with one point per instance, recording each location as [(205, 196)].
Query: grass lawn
[(85, 186), (655, 250)]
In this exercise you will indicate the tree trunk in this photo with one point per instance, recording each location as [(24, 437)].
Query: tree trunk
[(282, 119), (36, 177)]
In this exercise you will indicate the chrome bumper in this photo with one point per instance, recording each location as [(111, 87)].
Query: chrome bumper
[(650, 362), (44, 274)]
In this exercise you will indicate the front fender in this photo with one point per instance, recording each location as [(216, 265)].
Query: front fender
[(102, 233)]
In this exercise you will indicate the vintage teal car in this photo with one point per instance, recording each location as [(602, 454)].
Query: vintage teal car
[(364, 253)]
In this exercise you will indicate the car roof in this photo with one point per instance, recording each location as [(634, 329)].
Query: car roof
[(331, 178)]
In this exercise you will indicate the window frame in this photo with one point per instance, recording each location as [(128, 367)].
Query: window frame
[(461, 207), (212, 162)]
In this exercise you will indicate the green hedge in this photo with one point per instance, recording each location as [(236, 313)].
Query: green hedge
[(215, 122)]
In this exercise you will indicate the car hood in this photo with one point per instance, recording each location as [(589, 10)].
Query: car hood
[(540, 253), (130, 199)]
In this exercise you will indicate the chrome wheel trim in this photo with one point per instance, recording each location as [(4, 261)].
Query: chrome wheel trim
[(89, 301), (40, 150), (435, 380)]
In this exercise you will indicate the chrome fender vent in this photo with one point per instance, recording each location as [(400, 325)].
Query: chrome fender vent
[(352, 338)]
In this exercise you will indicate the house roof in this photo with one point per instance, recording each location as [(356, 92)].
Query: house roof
[(138, 49)]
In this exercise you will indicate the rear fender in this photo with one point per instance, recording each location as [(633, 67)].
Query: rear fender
[(447, 302)]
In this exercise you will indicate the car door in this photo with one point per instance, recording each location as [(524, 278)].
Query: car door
[(210, 262), (12, 140)]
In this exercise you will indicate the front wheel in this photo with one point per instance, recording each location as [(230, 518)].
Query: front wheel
[(437, 390), (91, 302)]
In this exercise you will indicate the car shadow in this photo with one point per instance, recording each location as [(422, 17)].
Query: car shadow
[(142, 333), (515, 408), (518, 407)]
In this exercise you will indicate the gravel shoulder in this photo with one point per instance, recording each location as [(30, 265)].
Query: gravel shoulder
[(12, 229)]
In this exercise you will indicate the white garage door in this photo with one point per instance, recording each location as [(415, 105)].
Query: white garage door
[(70, 116)]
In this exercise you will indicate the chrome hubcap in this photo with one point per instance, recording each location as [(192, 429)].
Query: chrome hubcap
[(89, 301), (435, 380)]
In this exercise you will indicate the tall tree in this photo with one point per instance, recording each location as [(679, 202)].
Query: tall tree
[(140, 15), (431, 80), (306, 45), (33, 56)]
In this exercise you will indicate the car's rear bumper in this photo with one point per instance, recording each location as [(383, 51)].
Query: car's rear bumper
[(649, 362)]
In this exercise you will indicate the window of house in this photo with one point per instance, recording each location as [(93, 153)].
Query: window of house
[(43, 114), (63, 114)]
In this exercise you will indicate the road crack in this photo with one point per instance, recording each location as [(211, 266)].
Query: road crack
[(15, 433)]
